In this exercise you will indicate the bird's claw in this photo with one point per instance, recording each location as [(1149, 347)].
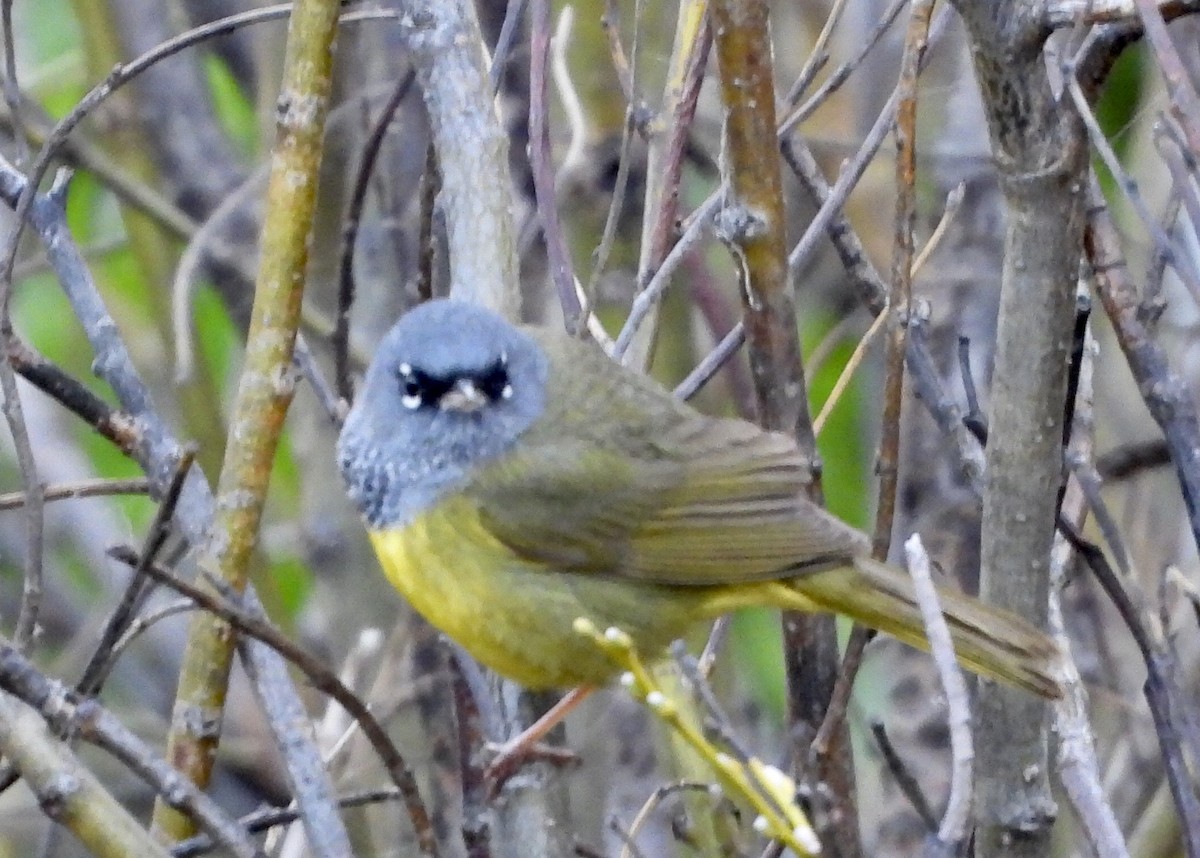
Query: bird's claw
[(510, 757)]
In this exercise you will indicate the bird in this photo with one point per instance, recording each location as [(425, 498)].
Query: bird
[(513, 479)]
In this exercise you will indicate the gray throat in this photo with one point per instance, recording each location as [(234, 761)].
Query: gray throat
[(391, 489)]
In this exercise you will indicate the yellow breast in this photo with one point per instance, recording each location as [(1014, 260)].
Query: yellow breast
[(517, 616)]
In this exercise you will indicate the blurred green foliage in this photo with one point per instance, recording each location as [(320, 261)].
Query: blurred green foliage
[(757, 640)]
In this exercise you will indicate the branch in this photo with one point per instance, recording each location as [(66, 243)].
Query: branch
[(752, 226), (1040, 149), (472, 149), (62, 708), (264, 392), (1071, 13), (68, 792)]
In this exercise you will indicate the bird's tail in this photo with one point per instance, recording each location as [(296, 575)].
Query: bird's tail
[(988, 641)]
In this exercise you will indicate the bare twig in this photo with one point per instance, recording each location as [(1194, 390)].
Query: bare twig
[(1163, 389), (904, 778), (664, 159), (92, 722), (1078, 767), (358, 199), (647, 298), (323, 678), (839, 75), (200, 242), (887, 463), (561, 271), (104, 657), (954, 827), (853, 170), (12, 87), (81, 489), (712, 362), (263, 820), (1184, 100), (818, 56), (1163, 245), (843, 381), (1161, 692)]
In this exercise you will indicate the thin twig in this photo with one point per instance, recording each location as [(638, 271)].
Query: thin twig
[(322, 678), (1165, 392), (908, 784), (647, 298), (818, 56), (187, 272), (86, 718), (508, 37), (12, 87), (1078, 766), (665, 157), (340, 341), (103, 658), (712, 363), (953, 829), (1163, 245), (842, 73), (81, 489), (268, 818), (542, 163), (847, 374)]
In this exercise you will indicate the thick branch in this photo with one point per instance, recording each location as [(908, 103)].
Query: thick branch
[(264, 392), (472, 149), (1038, 147), (752, 225)]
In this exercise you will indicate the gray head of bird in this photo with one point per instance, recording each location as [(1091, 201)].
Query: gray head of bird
[(451, 385)]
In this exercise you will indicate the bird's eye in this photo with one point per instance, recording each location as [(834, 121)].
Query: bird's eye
[(495, 383), (411, 388)]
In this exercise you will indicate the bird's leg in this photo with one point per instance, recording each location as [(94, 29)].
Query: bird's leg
[(520, 749)]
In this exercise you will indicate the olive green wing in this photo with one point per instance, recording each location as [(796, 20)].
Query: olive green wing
[(739, 512), (620, 479)]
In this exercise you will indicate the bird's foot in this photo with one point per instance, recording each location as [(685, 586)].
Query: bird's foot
[(510, 757)]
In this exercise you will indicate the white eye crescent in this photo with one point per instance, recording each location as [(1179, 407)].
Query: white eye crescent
[(507, 392), (411, 399)]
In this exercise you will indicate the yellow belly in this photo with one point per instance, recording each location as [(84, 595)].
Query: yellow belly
[(516, 617)]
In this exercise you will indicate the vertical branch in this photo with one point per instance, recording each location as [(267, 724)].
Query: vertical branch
[(542, 163), (1163, 388), (472, 149), (887, 464), (264, 392), (1038, 144), (664, 162), (34, 513), (1077, 763), (476, 200), (752, 225)]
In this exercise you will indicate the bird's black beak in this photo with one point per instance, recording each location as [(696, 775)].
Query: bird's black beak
[(464, 397)]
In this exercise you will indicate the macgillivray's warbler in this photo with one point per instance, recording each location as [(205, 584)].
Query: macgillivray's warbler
[(514, 479)]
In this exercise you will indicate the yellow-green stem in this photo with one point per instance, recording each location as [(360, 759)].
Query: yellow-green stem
[(264, 392)]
